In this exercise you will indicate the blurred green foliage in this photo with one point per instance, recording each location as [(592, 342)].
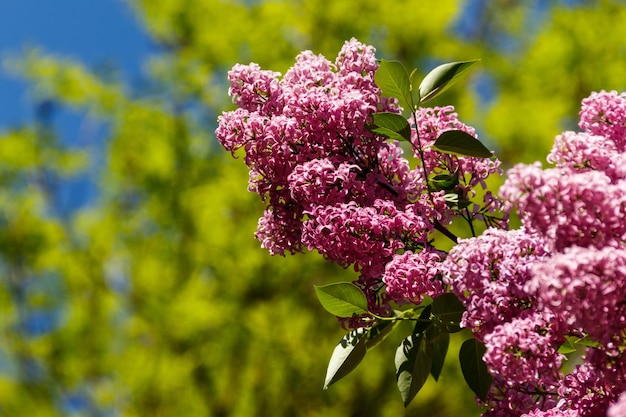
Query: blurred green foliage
[(155, 299)]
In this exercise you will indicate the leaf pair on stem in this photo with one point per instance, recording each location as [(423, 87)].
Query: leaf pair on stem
[(394, 81), (421, 354)]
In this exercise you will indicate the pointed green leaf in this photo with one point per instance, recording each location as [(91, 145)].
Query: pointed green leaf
[(385, 122), (414, 83), (393, 121), (567, 347), (342, 299), (571, 343), (440, 343), (586, 341), (448, 311), (379, 332), (347, 355), (444, 182), (461, 143), (388, 133), (422, 325), (474, 368), (413, 364), (441, 78), (393, 81)]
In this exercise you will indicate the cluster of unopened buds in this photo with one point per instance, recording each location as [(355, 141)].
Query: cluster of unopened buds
[(325, 146)]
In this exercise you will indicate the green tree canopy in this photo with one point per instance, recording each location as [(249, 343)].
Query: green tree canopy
[(155, 299)]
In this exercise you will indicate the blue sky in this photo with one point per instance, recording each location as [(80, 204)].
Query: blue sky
[(94, 32)]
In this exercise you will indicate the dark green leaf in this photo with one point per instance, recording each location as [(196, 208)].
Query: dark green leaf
[(461, 143), (379, 332), (448, 311), (342, 299), (347, 355), (440, 342), (422, 325), (445, 182), (441, 78), (393, 81), (474, 368), (388, 133), (413, 364), (394, 122)]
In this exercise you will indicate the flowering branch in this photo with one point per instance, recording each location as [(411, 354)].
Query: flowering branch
[(322, 144)]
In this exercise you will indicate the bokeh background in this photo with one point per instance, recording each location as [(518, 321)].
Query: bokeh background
[(130, 281)]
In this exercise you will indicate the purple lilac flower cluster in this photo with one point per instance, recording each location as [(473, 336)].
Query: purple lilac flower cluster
[(562, 276), (332, 185)]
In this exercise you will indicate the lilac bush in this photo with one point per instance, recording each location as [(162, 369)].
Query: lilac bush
[(325, 145)]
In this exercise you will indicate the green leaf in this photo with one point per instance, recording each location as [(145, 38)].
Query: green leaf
[(568, 346), (413, 364), (461, 143), (586, 341), (448, 311), (474, 368), (422, 325), (347, 355), (571, 342), (393, 121), (415, 89), (445, 182), (388, 133), (441, 78), (456, 201), (385, 122), (352, 348), (393, 81), (342, 299), (379, 332), (440, 342)]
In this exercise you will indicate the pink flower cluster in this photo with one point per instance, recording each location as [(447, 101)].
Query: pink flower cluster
[(525, 348), (561, 276), (332, 185), (305, 137), (587, 287), (488, 274), (410, 276)]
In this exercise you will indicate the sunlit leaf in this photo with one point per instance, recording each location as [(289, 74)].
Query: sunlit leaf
[(444, 182), (342, 299), (461, 143), (380, 331), (414, 83), (441, 78), (347, 355), (586, 341), (391, 125), (352, 348), (567, 347), (413, 365), (393, 81)]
